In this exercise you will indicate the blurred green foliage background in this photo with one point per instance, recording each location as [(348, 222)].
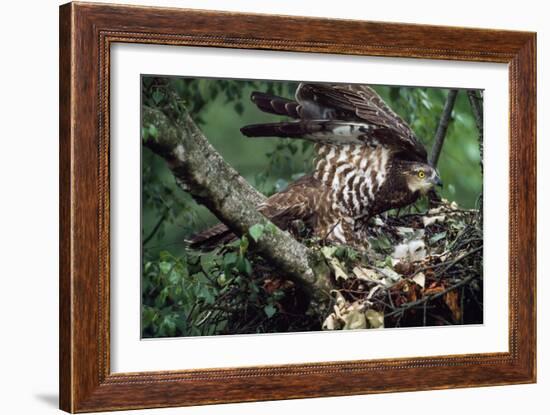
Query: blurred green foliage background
[(221, 108)]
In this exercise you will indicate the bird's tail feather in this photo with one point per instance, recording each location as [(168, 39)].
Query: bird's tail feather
[(278, 129), (319, 131), (210, 238), (275, 105)]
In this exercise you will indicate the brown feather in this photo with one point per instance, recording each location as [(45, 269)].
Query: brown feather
[(364, 152), (283, 208)]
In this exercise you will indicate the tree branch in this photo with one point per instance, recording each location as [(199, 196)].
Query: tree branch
[(477, 109), (200, 170), (157, 226), (441, 131), (476, 102)]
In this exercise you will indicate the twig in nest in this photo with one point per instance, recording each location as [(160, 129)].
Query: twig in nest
[(408, 306)]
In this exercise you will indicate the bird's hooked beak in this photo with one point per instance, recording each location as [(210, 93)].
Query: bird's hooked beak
[(436, 180)]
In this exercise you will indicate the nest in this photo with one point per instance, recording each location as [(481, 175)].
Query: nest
[(417, 270)]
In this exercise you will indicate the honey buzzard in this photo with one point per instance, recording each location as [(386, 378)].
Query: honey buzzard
[(368, 161)]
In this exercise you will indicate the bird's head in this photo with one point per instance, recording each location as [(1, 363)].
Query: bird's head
[(421, 177)]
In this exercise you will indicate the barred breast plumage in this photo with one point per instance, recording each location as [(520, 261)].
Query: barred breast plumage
[(366, 156)]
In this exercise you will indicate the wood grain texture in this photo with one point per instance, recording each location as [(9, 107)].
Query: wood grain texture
[(86, 33), (65, 246)]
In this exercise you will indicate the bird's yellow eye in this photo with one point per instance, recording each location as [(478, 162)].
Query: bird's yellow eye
[(421, 174)]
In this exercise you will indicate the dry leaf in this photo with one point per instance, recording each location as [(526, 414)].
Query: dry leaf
[(366, 274), (338, 270), (403, 268), (378, 222), (375, 319), (390, 274), (402, 230), (355, 319), (420, 279), (430, 220), (435, 289), (330, 323), (272, 285), (436, 211), (328, 251), (452, 301), (340, 300)]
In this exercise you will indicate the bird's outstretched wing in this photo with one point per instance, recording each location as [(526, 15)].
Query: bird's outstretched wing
[(338, 114)]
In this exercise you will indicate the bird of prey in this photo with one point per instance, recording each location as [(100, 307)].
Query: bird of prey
[(368, 161)]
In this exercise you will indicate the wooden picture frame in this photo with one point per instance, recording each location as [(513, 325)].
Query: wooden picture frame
[(86, 33)]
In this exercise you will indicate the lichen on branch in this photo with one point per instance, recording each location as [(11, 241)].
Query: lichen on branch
[(201, 171)]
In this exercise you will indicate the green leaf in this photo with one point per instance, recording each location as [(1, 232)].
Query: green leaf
[(244, 266), (247, 267), (270, 310), (244, 245), (165, 267), (147, 316), (352, 254), (438, 236), (168, 327), (201, 278), (147, 81), (208, 262), (174, 277), (228, 272), (144, 133), (165, 256), (158, 96), (193, 259), (340, 252), (230, 258), (161, 298), (207, 296), (328, 251), (271, 228), (385, 242), (153, 132), (381, 244), (256, 231)]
